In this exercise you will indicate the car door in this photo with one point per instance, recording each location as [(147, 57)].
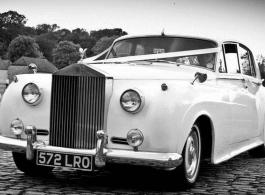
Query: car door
[(253, 85), (241, 90)]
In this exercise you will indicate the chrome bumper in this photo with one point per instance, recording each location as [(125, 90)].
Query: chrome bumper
[(154, 159)]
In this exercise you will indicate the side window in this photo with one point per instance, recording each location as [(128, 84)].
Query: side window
[(231, 58), (245, 61)]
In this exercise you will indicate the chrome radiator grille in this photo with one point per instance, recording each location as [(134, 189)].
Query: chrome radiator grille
[(77, 110)]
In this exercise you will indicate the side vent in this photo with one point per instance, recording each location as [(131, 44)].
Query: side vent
[(119, 140)]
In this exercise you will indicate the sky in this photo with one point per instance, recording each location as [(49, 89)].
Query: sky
[(241, 20)]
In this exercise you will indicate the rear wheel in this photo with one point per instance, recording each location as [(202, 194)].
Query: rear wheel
[(191, 154), (29, 166)]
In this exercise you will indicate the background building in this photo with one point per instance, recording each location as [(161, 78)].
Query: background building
[(21, 67)]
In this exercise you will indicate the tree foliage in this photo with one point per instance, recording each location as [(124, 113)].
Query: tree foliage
[(88, 43), (46, 28), (12, 18), (46, 46), (11, 24), (65, 53), (62, 34), (103, 44), (81, 37), (23, 46), (47, 36), (27, 31), (108, 33)]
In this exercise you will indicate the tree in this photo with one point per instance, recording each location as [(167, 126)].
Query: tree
[(23, 46), (103, 44), (81, 37), (63, 34), (77, 35), (27, 31), (11, 24), (46, 46), (3, 50), (80, 31), (46, 28), (107, 33), (65, 53), (88, 43), (11, 18)]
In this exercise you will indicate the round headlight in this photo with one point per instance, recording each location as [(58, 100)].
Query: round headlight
[(132, 101), (17, 126), (32, 94), (135, 138)]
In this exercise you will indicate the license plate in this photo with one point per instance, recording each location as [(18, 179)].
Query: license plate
[(75, 161)]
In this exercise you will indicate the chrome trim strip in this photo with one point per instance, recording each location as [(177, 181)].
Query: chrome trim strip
[(100, 158), (76, 117), (108, 94), (31, 132), (12, 144), (154, 159)]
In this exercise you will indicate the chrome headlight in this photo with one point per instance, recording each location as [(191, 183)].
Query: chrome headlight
[(32, 94), (132, 101), (16, 126)]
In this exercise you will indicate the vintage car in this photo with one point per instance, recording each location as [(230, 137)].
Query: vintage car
[(156, 101)]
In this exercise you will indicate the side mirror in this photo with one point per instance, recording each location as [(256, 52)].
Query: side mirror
[(201, 76)]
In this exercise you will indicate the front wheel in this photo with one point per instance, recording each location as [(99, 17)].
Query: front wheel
[(29, 166), (191, 154)]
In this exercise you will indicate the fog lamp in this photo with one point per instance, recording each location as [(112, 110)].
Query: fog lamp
[(17, 126), (135, 137)]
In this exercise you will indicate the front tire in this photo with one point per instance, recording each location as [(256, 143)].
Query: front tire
[(191, 154), (29, 166)]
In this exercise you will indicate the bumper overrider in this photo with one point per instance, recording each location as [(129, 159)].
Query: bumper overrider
[(100, 154)]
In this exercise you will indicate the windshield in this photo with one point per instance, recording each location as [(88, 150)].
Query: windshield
[(161, 44)]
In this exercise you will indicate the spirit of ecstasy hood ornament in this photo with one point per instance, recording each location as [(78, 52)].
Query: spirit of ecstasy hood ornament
[(82, 53)]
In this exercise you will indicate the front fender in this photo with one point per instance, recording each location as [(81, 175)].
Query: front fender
[(13, 106), (217, 109)]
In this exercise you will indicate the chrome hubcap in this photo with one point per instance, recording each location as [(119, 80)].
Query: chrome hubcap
[(192, 155)]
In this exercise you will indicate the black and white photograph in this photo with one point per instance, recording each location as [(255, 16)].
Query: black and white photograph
[(123, 97)]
